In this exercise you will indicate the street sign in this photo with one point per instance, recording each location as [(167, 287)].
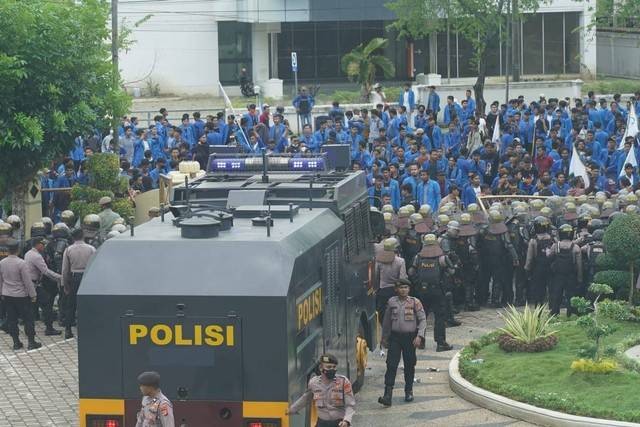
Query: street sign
[(294, 62)]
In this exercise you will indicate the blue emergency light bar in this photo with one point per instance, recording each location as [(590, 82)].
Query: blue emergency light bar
[(243, 163)]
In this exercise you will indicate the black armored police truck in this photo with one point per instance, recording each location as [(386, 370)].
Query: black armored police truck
[(231, 296)]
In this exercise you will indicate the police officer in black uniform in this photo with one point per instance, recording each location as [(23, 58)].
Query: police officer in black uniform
[(465, 248), (54, 252), (501, 256), (537, 263), (519, 234), (566, 268)]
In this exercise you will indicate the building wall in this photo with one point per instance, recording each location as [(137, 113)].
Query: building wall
[(619, 54)]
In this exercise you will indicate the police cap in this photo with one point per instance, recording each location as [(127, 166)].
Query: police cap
[(105, 200), (150, 378), (329, 358), (5, 229), (402, 282)]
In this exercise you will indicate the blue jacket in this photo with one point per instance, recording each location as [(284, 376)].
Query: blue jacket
[(468, 195), (412, 100), (157, 148), (435, 135), (215, 138), (77, 152), (413, 182), (299, 98), (448, 109), (559, 191), (452, 142), (278, 133), (433, 102), (383, 192), (394, 191), (189, 135), (420, 121), (138, 153), (429, 194)]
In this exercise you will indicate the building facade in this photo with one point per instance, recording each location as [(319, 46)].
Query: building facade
[(187, 46)]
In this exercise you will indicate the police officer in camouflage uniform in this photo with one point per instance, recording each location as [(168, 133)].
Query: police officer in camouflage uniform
[(157, 410), (332, 396), (427, 275), (403, 331)]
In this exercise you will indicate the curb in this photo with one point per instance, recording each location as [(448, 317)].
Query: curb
[(519, 410)]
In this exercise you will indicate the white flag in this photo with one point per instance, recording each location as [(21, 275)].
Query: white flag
[(227, 101), (496, 133), (632, 126), (631, 158), (577, 168)]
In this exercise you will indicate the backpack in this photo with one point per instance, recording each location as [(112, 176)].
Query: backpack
[(542, 261), (428, 274), (595, 249), (563, 263), (58, 252)]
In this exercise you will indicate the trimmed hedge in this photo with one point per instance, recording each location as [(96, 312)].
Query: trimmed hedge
[(617, 279)]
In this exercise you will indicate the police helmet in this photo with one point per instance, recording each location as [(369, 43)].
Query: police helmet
[(453, 228), (15, 221), (48, 224), (583, 220), (119, 228), (565, 232), (631, 198), (582, 199), (598, 235), (496, 206), (622, 192), (554, 202), (570, 207), (541, 225), (443, 220), (390, 244), (119, 220), (472, 207), (445, 210), (371, 208), (5, 229), (91, 222), (388, 209), (425, 210), (595, 224), (38, 229), (60, 230), (637, 193), (520, 211), (411, 209), (546, 211), (112, 233), (388, 217), (465, 219), (570, 199), (608, 205), (68, 217), (495, 216), (632, 209), (536, 204), (415, 218), (430, 240), (601, 198), (404, 212)]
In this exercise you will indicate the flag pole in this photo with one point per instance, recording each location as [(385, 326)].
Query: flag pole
[(227, 101)]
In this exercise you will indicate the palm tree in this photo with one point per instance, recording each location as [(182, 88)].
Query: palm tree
[(362, 63)]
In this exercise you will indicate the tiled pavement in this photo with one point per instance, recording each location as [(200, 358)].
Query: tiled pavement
[(39, 388)]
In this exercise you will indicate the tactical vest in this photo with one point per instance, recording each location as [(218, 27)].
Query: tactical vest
[(60, 245), (428, 274), (595, 249), (563, 262), (542, 261)]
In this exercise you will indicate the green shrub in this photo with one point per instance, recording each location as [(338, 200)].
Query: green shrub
[(124, 208), (604, 366), (88, 194), (618, 281), (528, 325), (104, 171), (81, 208)]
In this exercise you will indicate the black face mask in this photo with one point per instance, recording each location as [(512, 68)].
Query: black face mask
[(329, 373)]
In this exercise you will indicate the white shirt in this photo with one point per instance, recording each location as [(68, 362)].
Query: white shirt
[(405, 99), (377, 98)]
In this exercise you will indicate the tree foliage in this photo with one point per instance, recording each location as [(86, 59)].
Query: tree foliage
[(364, 61), (57, 81), (478, 21), (622, 238)]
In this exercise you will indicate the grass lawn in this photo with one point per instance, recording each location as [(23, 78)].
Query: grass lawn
[(609, 85), (546, 380)]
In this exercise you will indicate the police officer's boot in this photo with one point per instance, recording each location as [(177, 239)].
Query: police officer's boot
[(68, 333), (470, 303), (408, 394), (451, 321), (33, 344), (50, 331), (388, 394), (17, 345), (443, 346)]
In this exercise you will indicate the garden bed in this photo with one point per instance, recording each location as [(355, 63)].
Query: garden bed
[(547, 381)]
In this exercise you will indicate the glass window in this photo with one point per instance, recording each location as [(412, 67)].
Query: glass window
[(553, 54), (532, 44), (572, 41), (234, 50)]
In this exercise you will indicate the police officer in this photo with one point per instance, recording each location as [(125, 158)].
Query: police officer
[(537, 263), (18, 294), (390, 267), (427, 274), (449, 282), (502, 258), (16, 224), (403, 331), (5, 235), (566, 266), (74, 261), (107, 216), (590, 253), (332, 396), (465, 248), (54, 252), (411, 240), (91, 229), (156, 409), (48, 226), (37, 270), (519, 234)]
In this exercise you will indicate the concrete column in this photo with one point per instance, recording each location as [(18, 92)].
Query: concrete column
[(260, 52), (589, 59), (433, 53), (274, 55)]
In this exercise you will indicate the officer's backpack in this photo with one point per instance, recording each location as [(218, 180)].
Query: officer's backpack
[(563, 262), (595, 249), (428, 274)]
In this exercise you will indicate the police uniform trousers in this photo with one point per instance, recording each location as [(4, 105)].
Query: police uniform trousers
[(520, 278), (539, 284), (434, 301), (484, 277), (561, 283), (19, 307), (71, 300), (325, 423), (401, 343), (44, 301), (382, 297)]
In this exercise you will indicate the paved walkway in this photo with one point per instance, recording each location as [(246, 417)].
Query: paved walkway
[(40, 387)]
